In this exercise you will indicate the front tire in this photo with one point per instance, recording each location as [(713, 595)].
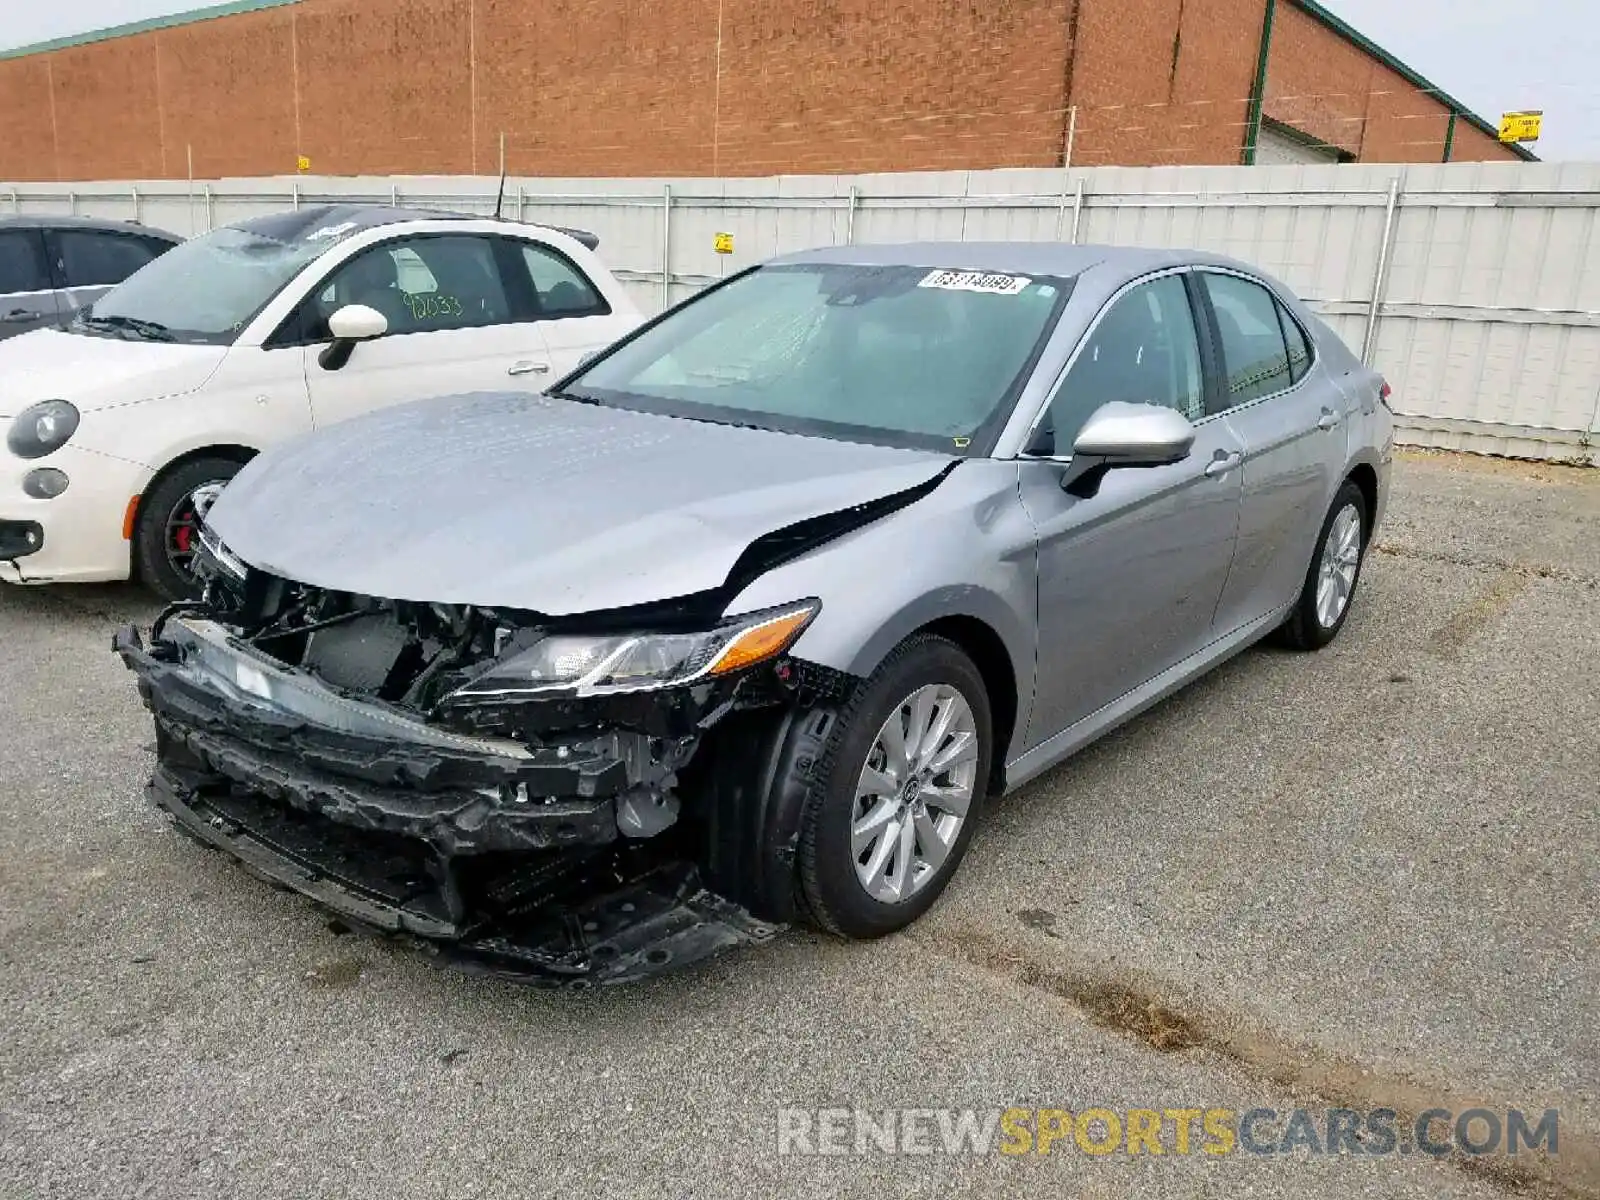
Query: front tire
[(167, 533), (1330, 584), (901, 784)]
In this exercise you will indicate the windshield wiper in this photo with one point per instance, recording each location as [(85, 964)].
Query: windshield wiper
[(150, 331), (575, 397)]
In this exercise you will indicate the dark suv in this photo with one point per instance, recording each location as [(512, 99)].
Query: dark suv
[(50, 267)]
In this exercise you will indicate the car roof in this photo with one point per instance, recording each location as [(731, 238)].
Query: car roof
[(317, 220), (55, 221), (1018, 258)]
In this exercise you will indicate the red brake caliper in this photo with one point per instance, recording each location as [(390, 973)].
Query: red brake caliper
[(182, 534)]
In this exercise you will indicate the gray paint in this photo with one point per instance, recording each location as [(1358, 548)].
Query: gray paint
[(521, 501), (1104, 603)]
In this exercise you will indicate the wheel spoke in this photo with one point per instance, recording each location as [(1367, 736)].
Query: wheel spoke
[(892, 737), (939, 730), (963, 748), (865, 831), (917, 726), (872, 874), (874, 782), (934, 848), (905, 858), (952, 800)]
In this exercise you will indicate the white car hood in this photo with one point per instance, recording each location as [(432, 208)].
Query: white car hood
[(97, 372)]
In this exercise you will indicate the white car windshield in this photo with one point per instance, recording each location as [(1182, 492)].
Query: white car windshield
[(915, 356), (205, 290)]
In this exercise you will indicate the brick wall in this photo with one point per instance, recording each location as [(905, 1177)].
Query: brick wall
[(1332, 89), (697, 87), (1182, 98)]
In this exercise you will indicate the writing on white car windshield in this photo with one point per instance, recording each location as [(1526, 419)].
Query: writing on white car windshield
[(913, 356)]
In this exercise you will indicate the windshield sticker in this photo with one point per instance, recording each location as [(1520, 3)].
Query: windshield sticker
[(975, 281), (330, 231)]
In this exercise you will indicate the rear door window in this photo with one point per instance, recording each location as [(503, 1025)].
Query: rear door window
[(21, 262), (1298, 344), (89, 258), (563, 290), (1255, 356)]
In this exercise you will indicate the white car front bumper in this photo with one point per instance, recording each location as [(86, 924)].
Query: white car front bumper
[(80, 532)]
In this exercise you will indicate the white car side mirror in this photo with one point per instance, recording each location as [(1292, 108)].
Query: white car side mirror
[(357, 323)]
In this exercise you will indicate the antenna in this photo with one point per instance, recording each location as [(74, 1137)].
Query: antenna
[(501, 195)]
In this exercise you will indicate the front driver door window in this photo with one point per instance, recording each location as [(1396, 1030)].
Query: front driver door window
[(451, 326), (1144, 351), (1128, 577)]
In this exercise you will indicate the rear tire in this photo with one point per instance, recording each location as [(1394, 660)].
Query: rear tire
[(1335, 571), (885, 828), (166, 531)]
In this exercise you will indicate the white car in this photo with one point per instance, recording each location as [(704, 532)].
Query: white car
[(256, 332)]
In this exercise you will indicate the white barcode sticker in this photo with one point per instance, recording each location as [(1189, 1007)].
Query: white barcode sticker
[(975, 281)]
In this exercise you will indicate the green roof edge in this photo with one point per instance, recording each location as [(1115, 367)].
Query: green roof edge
[(149, 24), (1354, 36)]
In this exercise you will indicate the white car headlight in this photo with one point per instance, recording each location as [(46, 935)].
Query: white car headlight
[(42, 429), (606, 663)]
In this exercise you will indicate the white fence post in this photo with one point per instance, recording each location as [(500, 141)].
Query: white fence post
[(1369, 343), (666, 246)]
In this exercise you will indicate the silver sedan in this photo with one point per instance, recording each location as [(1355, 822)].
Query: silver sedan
[(744, 621)]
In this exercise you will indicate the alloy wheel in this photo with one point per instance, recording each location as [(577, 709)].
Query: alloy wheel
[(1341, 559), (914, 793)]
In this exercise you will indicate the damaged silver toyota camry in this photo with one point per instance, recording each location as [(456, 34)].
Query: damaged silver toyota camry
[(743, 622)]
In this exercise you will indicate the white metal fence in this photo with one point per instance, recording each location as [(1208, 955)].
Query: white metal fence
[(1474, 287)]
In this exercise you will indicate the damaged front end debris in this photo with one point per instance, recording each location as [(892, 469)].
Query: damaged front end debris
[(562, 801)]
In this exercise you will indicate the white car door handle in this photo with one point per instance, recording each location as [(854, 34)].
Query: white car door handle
[(1223, 463), (1328, 420), (528, 367)]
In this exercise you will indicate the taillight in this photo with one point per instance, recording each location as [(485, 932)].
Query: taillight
[(1384, 392)]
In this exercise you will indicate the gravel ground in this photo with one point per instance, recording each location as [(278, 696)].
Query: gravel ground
[(1362, 877)]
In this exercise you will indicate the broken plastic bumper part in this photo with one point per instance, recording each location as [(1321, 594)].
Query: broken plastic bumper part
[(502, 855)]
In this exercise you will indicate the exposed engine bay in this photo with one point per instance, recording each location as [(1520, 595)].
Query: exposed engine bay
[(369, 753)]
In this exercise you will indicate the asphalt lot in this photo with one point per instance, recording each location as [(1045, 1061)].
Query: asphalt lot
[(1365, 876)]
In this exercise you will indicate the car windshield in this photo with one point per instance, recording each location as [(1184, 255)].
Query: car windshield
[(898, 355), (205, 290)]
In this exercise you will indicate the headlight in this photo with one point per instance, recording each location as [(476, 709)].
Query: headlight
[(211, 548), (42, 429), (588, 665)]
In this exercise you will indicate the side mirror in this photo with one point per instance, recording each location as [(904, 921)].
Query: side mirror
[(351, 324), (1120, 434)]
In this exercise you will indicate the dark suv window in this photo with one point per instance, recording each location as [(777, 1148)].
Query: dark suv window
[(20, 268), (93, 259)]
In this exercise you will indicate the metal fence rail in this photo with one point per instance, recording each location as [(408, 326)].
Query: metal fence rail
[(1474, 287)]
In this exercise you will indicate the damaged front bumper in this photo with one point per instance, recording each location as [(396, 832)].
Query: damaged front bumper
[(496, 854)]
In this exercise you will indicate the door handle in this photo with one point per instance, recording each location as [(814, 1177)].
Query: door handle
[(19, 314), (1225, 461), (528, 367), (1328, 420)]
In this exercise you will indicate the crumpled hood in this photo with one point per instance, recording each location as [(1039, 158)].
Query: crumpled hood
[(97, 372), (523, 501)]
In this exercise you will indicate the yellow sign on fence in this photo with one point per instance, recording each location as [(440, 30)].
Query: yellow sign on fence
[(722, 243), (1521, 126), (302, 164)]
